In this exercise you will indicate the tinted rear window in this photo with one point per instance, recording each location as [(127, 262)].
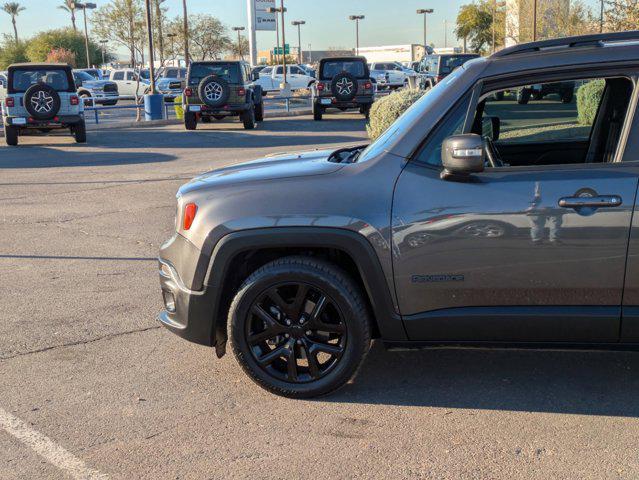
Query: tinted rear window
[(331, 68), (451, 62), (22, 79), (228, 71)]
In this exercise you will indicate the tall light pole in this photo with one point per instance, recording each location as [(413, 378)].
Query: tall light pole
[(445, 33), (149, 28), (425, 12), (186, 34), (103, 43), (281, 10), (239, 40), (601, 17), (298, 24), (356, 18), (494, 22), (172, 37), (84, 7), (534, 35)]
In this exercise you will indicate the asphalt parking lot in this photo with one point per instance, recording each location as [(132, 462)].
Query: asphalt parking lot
[(91, 386)]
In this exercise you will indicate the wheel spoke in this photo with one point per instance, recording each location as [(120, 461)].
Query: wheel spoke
[(313, 365), (320, 326), (272, 328), (300, 300), (317, 309), (326, 348), (291, 363), (273, 355), (277, 299)]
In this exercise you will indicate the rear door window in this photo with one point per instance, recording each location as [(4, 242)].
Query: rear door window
[(118, 76)]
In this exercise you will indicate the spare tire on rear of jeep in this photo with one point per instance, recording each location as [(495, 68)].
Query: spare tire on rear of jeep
[(344, 87), (214, 91), (41, 101)]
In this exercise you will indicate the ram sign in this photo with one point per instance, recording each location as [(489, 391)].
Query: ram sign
[(264, 20)]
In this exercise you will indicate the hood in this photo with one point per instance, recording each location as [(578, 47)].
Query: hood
[(96, 83), (273, 167)]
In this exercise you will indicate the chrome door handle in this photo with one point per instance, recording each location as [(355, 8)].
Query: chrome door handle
[(599, 201)]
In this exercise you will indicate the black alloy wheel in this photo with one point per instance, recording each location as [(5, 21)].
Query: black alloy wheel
[(299, 327)]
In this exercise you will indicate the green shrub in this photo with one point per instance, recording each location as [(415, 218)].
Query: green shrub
[(588, 99), (12, 52), (385, 111), (177, 106)]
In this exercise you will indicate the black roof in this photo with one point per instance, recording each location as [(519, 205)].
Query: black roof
[(344, 59), (40, 65)]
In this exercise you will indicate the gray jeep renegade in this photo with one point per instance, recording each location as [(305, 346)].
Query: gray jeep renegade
[(41, 97), (470, 221)]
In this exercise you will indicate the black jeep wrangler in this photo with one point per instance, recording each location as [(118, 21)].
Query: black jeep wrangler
[(343, 83), (221, 89)]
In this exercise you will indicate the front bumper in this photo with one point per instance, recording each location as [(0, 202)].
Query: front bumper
[(188, 312)]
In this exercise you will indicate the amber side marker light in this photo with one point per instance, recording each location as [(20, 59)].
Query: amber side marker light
[(189, 215)]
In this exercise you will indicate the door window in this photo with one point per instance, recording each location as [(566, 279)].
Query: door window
[(279, 71), (296, 71), (130, 76), (567, 122), (118, 76)]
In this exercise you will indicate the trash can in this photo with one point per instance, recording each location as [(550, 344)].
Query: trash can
[(153, 105)]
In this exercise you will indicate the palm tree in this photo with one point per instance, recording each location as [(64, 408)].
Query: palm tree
[(13, 9), (69, 6)]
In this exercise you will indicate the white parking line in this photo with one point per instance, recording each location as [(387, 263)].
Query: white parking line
[(47, 448)]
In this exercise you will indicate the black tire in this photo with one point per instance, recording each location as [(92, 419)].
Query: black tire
[(344, 316), (206, 119), (365, 110), (248, 118), (523, 96), (214, 91), (79, 131), (219, 117), (84, 97), (190, 121), (344, 86), (37, 97), (110, 103), (259, 112), (11, 135), (318, 111)]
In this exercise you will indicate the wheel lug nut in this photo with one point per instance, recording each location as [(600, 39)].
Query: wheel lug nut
[(299, 342), (308, 332), (288, 322), (286, 335)]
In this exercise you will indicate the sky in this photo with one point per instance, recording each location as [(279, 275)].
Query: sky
[(387, 22)]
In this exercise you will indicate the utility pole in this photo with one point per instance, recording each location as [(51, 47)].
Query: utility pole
[(494, 21), (601, 17), (425, 11), (103, 43), (239, 41), (186, 35), (149, 28), (298, 24), (534, 39), (172, 37), (84, 7), (356, 18)]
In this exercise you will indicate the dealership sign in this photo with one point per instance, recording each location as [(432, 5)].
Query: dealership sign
[(263, 19)]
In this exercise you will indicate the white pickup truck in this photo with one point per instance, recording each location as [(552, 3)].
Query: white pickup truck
[(271, 77)]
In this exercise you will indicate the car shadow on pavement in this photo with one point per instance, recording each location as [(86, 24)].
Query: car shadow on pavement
[(30, 156), (575, 382)]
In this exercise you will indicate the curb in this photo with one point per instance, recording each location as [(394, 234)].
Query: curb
[(159, 123)]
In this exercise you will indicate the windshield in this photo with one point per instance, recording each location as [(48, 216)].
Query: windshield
[(83, 77), (94, 73), (330, 68), (144, 74), (228, 71), (23, 79), (409, 116)]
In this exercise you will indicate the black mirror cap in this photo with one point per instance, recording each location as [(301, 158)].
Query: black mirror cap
[(462, 155)]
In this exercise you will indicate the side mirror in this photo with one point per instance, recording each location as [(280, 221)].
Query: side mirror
[(490, 127), (462, 155), (255, 76)]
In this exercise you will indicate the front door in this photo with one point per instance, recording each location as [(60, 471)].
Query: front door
[(531, 251)]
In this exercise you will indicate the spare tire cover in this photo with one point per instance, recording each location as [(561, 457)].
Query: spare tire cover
[(42, 101), (214, 91), (344, 86)]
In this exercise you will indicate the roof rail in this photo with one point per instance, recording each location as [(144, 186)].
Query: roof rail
[(568, 42)]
